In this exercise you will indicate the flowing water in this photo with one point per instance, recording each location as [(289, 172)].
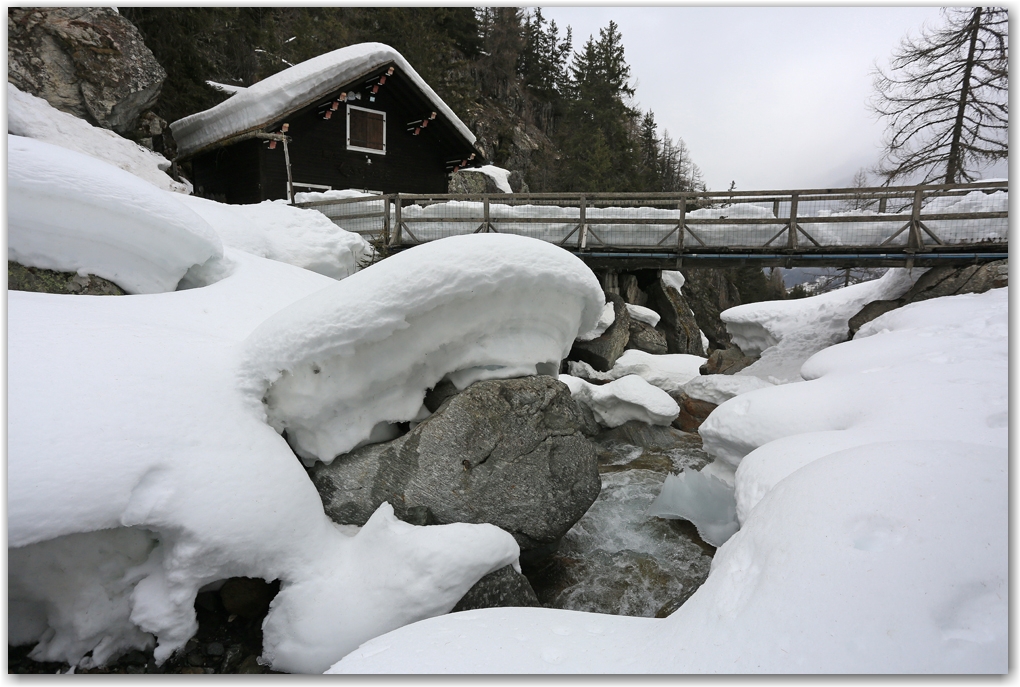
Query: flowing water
[(616, 559)]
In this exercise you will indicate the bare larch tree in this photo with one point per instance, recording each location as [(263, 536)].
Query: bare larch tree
[(945, 98)]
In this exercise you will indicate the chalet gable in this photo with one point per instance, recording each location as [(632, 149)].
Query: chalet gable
[(254, 109)]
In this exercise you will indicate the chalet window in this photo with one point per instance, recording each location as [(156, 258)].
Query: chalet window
[(366, 130)]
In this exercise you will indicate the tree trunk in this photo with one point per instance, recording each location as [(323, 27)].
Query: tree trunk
[(953, 165)]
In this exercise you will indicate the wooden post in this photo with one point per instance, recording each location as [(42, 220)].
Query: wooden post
[(775, 207), (485, 205), (914, 240), (582, 236), (290, 179), (681, 228), (397, 237), (882, 203), (794, 199), (386, 220)]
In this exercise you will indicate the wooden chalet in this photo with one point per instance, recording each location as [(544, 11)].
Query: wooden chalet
[(357, 118)]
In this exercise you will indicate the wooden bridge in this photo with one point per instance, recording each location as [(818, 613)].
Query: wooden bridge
[(881, 226)]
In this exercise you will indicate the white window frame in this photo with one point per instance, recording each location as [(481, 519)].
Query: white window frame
[(359, 149)]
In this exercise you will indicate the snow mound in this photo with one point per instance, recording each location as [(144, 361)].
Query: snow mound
[(70, 212), (625, 399), (339, 367), (786, 333), (718, 389), (275, 230), (643, 314), (122, 507), (606, 319), (290, 90), (668, 372), (33, 117), (499, 175), (703, 499)]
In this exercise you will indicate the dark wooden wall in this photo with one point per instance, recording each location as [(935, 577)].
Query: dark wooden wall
[(249, 172)]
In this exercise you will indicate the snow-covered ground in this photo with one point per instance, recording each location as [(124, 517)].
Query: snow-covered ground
[(873, 504), (145, 458)]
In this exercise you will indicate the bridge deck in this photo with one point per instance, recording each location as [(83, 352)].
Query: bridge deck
[(884, 226)]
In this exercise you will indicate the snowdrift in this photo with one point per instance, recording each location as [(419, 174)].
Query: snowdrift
[(622, 400), (275, 230), (70, 212), (33, 117)]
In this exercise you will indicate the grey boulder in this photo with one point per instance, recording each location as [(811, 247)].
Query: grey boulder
[(601, 353), (514, 453)]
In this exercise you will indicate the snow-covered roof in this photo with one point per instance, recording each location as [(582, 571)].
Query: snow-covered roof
[(292, 89)]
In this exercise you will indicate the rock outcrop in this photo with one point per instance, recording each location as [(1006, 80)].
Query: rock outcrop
[(709, 292), (87, 61), (726, 361), (678, 324), (601, 353), (935, 283), (693, 411), (645, 337), (514, 453)]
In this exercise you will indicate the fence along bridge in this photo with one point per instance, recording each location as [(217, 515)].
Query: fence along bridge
[(883, 226)]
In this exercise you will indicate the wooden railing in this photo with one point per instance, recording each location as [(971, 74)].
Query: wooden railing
[(881, 225)]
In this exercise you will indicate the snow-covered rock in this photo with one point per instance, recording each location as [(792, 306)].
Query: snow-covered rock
[(127, 413), (500, 177), (278, 231), (73, 213), (668, 372), (643, 314), (787, 333), (290, 90), (338, 368), (718, 389), (606, 319), (625, 399), (33, 117)]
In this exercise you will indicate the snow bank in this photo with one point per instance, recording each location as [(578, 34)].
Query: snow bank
[(625, 399), (177, 489), (357, 357), (33, 117), (668, 372), (274, 97), (70, 212), (721, 388), (643, 314), (275, 230), (786, 333), (874, 557), (499, 175), (674, 279)]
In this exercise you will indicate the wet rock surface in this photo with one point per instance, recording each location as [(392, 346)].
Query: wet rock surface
[(616, 559), (679, 327), (500, 588), (727, 361), (693, 411), (647, 338), (514, 453), (225, 642)]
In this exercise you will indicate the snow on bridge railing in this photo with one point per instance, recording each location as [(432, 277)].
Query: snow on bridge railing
[(905, 219)]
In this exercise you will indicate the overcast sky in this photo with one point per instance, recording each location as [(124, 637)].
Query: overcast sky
[(768, 97)]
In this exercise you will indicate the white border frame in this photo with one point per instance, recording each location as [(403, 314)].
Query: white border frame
[(359, 149)]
